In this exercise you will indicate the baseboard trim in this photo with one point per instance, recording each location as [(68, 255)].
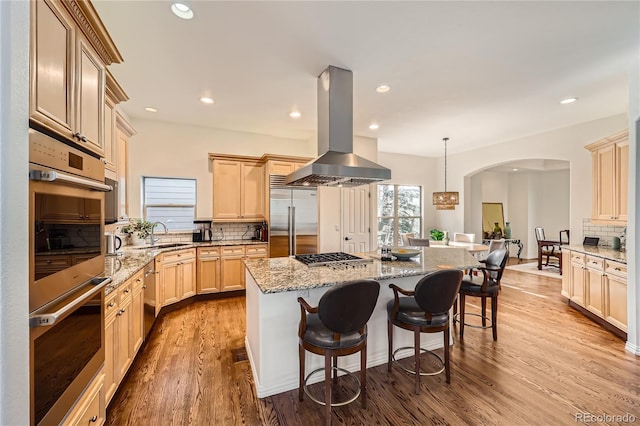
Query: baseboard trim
[(634, 349)]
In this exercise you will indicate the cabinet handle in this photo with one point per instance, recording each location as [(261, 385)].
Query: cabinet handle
[(76, 135), (138, 280), (616, 269), (83, 138), (93, 419), (112, 304), (127, 290), (144, 286)]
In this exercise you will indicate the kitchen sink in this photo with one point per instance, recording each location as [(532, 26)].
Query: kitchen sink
[(162, 246)]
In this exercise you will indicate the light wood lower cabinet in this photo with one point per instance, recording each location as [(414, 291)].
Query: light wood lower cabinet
[(598, 285), (90, 409), (116, 338), (177, 278), (232, 268), (208, 270), (136, 324)]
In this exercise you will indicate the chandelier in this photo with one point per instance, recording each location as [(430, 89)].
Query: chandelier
[(445, 200)]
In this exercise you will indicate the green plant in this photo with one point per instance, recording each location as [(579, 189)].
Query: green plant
[(436, 234), (141, 228)]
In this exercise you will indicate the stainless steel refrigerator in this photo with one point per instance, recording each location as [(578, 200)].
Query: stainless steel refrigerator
[(293, 221)]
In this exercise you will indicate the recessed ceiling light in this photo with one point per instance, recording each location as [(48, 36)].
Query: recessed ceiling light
[(206, 100), (181, 10), (151, 109), (295, 114), (383, 88), (374, 126), (568, 101), (514, 169)]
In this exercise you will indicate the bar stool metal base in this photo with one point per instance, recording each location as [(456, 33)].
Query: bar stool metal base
[(486, 318), (337, 404), (393, 357)]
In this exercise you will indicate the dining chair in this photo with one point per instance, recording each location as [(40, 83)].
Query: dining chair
[(424, 310), (550, 248), (337, 327), (419, 242), (406, 237), (464, 238)]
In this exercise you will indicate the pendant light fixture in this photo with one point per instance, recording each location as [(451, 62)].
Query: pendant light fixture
[(445, 200)]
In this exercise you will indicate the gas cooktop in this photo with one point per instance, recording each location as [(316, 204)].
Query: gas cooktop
[(330, 259)]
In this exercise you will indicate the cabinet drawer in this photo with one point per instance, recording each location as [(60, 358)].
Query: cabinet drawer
[(111, 304), (256, 250), (175, 256), (208, 251), (615, 268), (577, 257), (125, 293), (137, 281), (52, 261), (89, 409), (595, 263), (233, 251)]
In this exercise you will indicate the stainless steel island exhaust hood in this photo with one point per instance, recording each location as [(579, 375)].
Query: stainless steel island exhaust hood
[(338, 165)]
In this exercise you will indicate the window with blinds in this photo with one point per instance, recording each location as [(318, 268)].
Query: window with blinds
[(171, 201)]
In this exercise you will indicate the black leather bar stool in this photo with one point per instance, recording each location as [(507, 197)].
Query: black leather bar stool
[(426, 310), (492, 271), (337, 327)]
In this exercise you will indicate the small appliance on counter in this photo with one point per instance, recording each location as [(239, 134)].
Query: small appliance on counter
[(202, 231), (261, 232), (113, 243)]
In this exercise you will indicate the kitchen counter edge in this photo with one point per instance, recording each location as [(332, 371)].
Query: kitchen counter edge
[(603, 252)]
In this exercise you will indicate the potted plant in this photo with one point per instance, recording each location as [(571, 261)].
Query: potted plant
[(138, 230)]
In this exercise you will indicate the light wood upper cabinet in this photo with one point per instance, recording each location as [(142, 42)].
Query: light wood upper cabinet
[(114, 94), (238, 189), (124, 132), (52, 53), (610, 169), (69, 51)]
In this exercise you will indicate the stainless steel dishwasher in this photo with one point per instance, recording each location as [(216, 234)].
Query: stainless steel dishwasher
[(149, 297)]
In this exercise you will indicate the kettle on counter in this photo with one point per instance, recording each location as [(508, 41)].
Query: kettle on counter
[(113, 243)]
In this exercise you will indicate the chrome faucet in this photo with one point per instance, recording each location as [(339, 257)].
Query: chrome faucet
[(153, 227)]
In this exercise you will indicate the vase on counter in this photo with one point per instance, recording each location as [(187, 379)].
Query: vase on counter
[(136, 241), (445, 238), (507, 230), (497, 232)]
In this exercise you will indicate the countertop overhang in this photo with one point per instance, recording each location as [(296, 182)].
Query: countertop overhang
[(604, 252)]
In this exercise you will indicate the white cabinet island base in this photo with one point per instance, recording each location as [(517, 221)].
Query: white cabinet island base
[(272, 311)]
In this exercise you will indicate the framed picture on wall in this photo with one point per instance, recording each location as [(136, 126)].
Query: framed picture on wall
[(492, 214)]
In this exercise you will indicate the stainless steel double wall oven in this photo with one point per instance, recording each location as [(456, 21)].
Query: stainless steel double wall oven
[(66, 261)]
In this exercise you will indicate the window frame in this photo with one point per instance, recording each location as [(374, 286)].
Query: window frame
[(170, 205), (395, 217)]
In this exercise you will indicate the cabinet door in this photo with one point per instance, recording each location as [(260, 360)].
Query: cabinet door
[(281, 167), (170, 283), (595, 291), (226, 189), (622, 180), (90, 97), (58, 208), (566, 275), (208, 276), (93, 210), (252, 191), (577, 283), (122, 168), (136, 333), (110, 350), (110, 142), (124, 357), (232, 273), (616, 313), (188, 278), (604, 184), (52, 64), (90, 409)]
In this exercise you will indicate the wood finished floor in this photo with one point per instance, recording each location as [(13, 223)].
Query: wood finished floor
[(548, 364)]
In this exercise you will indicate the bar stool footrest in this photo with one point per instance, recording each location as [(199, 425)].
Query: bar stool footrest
[(475, 325), (423, 350), (337, 404)]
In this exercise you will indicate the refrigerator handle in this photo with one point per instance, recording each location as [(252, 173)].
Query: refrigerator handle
[(289, 231), (293, 229)]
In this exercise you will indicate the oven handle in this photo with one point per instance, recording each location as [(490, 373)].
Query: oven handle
[(45, 320), (52, 175)]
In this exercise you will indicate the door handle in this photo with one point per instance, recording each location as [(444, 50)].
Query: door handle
[(347, 238)]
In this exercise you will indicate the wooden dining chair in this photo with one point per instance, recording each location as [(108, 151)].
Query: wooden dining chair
[(419, 242), (461, 237)]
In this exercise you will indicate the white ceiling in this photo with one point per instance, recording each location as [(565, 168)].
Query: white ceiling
[(477, 72)]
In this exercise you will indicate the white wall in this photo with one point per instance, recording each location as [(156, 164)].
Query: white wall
[(173, 150), (14, 187), (561, 144)]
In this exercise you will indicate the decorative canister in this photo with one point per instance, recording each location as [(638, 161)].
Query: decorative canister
[(507, 230)]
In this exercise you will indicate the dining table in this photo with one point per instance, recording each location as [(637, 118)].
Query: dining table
[(472, 248)]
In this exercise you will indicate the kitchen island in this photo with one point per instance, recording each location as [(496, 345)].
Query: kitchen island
[(273, 313)]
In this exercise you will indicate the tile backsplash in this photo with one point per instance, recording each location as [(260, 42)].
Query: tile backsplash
[(221, 231), (604, 232)]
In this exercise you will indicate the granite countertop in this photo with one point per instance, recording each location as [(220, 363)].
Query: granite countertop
[(287, 274), (121, 268), (604, 252)]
